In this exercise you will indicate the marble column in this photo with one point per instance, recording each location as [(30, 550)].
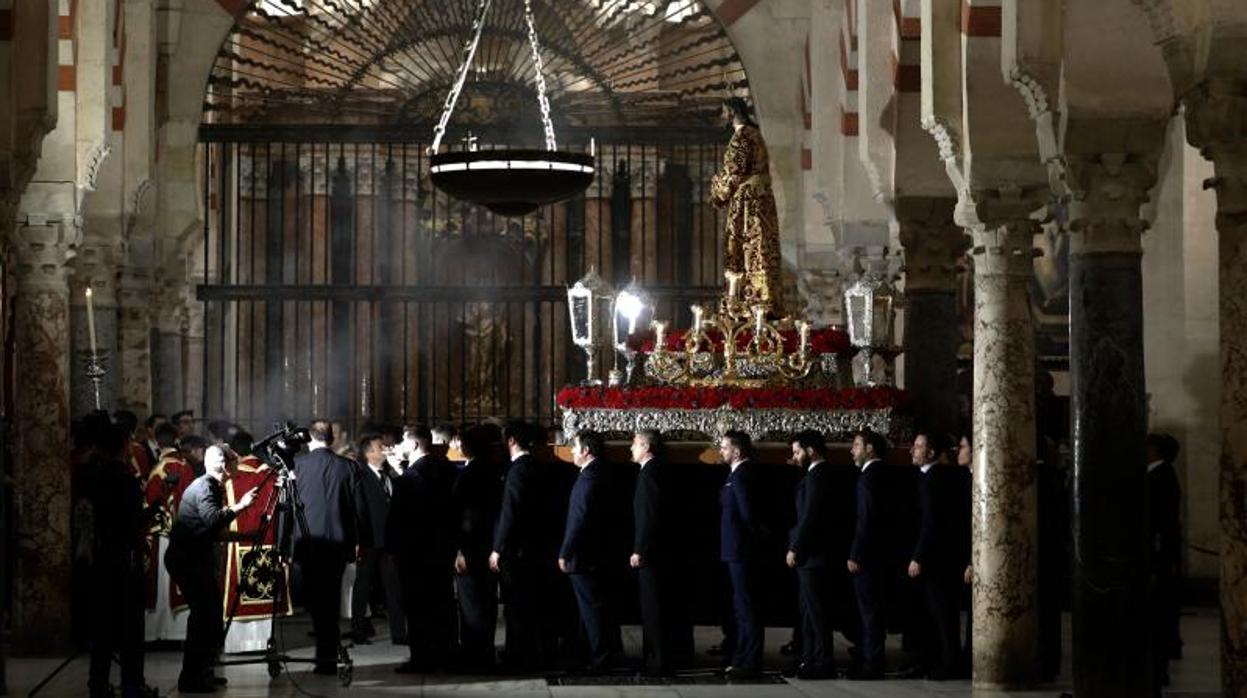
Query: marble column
[(933, 245), (134, 340), (1216, 122), (93, 266), (41, 561), (1110, 606), (1004, 499)]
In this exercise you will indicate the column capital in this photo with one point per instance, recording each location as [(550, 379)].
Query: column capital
[(1216, 123), (1000, 203), (932, 241), (1108, 190), (1006, 249), (41, 251)]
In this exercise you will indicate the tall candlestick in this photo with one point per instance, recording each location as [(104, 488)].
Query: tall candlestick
[(697, 312), (803, 328), (733, 283), (660, 335), (91, 320), (759, 315)]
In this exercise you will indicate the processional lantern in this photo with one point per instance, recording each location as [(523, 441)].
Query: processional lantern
[(632, 309), (509, 182), (589, 304), (870, 310)]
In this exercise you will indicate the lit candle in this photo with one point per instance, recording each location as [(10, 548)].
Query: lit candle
[(593, 146), (631, 325), (733, 283), (804, 328), (91, 320), (697, 311), (660, 335)]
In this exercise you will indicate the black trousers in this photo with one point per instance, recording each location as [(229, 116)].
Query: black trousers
[(941, 588), (844, 605), (666, 631), (746, 608), (429, 601), (321, 576), (871, 607), (373, 570), (816, 605), (117, 606), (540, 610), (478, 616), (205, 629), (597, 619)]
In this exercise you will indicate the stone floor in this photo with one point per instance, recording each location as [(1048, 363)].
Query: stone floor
[(1196, 676)]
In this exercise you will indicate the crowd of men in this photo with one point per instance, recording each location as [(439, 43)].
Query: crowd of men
[(572, 551)]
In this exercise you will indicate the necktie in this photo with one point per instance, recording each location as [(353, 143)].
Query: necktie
[(385, 484)]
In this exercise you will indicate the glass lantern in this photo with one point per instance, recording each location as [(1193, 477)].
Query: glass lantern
[(870, 312), (632, 309), (589, 304)]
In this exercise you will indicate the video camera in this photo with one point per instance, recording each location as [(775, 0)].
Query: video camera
[(280, 447)]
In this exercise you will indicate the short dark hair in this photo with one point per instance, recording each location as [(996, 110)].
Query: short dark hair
[(521, 431), (153, 418), (592, 442), (177, 416), (241, 443), (111, 441), (321, 430), (654, 438), (127, 420), (166, 435), (221, 429), (740, 440), (367, 440), (446, 429), (936, 441), (1165, 445), (421, 435), (875, 440), (474, 441), (813, 439)]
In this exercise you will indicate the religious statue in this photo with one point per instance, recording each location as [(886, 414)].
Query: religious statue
[(744, 187)]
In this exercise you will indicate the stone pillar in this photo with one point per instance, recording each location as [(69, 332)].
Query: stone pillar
[(167, 352), (193, 368), (1004, 500), (93, 266), (134, 340), (1216, 122), (41, 478), (1111, 619), (933, 244)]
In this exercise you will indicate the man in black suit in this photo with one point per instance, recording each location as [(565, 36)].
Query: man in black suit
[(940, 554), (587, 547), (477, 494), (656, 553), (810, 544), (538, 606), (326, 486), (421, 534), (374, 568), (1165, 499), (742, 542), (869, 553)]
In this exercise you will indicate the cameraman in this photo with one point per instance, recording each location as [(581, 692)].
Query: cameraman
[(194, 561)]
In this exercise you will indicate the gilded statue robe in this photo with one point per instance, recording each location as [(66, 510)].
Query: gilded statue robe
[(744, 187)]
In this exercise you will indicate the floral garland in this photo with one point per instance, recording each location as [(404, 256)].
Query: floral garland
[(672, 397), (822, 341)]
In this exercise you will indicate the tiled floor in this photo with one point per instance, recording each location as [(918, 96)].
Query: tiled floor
[(1196, 676)]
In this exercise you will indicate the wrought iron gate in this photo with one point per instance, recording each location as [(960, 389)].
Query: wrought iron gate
[(339, 283)]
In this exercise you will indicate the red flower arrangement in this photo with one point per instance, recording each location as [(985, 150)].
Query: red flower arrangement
[(671, 397), (822, 341)]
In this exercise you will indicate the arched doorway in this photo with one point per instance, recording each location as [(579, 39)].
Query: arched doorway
[(338, 282)]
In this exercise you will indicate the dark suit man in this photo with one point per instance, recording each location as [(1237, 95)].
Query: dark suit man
[(656, 552), (193, 560), (375, 569), (1165, 499), (589, 546), (869, 555), (477, 494), (940, 555), (742, 542), (421, 534), (327, 488), (810, 552), (539, 609)]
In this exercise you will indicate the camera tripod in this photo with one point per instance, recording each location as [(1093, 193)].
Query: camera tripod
[(282, 501)]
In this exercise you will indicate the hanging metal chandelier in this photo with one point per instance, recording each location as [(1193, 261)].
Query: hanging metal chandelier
[(509, 182)]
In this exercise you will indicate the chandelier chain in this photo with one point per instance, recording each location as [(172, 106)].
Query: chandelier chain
[(539, 67), (469, 52)]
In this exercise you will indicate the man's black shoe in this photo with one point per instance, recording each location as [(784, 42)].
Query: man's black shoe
[(410, 667), (791, 671), (326, 670), (816, 674), (738, 673), (220, 680), (864, 675), (788, 649), (196, 687), (915, 671)]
